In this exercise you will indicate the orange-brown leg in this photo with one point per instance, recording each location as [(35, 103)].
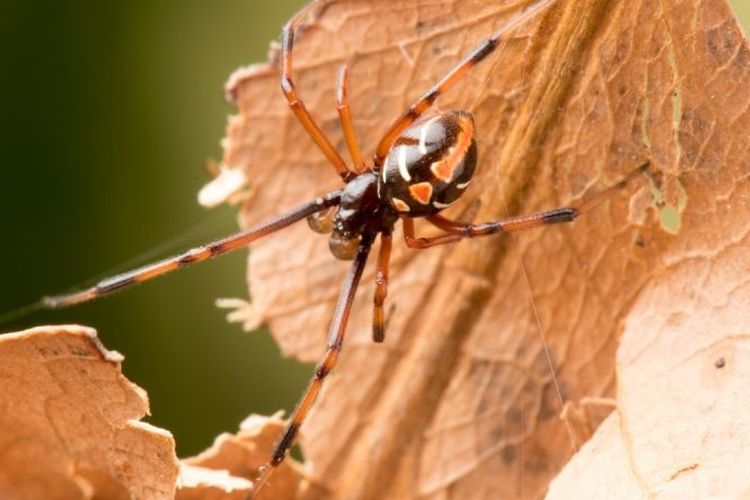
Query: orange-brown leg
[(342, 104), (297, 106), (325, 366), (416, 109), (412, 241), (214, 249), (456, 231), (381, 288)]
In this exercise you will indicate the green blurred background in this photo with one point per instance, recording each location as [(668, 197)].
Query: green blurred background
[(109, 110)]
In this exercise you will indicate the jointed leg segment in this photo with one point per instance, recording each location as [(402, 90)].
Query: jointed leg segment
[(326, 365), (342, 104), (298, 107), (456, 231), (416, 109), (381, 288), (199, 254)]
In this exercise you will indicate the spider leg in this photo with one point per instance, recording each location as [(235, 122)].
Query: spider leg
[(412, 241), (381, 288), (198, 254), (296, 104), (456, 231), (418, 107), (325, 366), (342, 104)]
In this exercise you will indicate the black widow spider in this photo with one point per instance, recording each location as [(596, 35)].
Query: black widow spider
[(421, 166)]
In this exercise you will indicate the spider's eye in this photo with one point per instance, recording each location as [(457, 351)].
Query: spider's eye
[(321, 222), (343, 248)]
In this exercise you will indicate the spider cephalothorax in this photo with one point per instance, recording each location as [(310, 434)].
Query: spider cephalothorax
[(361, 212), (420, 166)]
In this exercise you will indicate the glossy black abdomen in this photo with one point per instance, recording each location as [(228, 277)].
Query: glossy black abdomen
[(430, 164)]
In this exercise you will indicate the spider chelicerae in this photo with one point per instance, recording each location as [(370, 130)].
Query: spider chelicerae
[(422, 165)]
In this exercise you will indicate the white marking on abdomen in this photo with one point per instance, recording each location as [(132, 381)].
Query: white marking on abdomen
[(423, 135), (402, 164), (464, 185), (441, 206)]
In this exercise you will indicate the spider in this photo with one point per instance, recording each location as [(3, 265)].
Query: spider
[(422, 164)]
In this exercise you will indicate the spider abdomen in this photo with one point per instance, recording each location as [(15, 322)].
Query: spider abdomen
[(430, 164)]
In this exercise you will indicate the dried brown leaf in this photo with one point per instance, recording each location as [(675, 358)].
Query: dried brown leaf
[(492, 340), (463, 399), (681, 428), (70, 422), (70, 428), (228, 468)]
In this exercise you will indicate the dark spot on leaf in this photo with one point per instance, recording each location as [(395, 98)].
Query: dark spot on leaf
[(508, 454)]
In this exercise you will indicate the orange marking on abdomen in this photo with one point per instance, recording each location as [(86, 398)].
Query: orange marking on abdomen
[(445, 168), (421, 192), (400, 205)]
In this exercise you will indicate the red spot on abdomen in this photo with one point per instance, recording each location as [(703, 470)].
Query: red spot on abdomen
[(421, 192)]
